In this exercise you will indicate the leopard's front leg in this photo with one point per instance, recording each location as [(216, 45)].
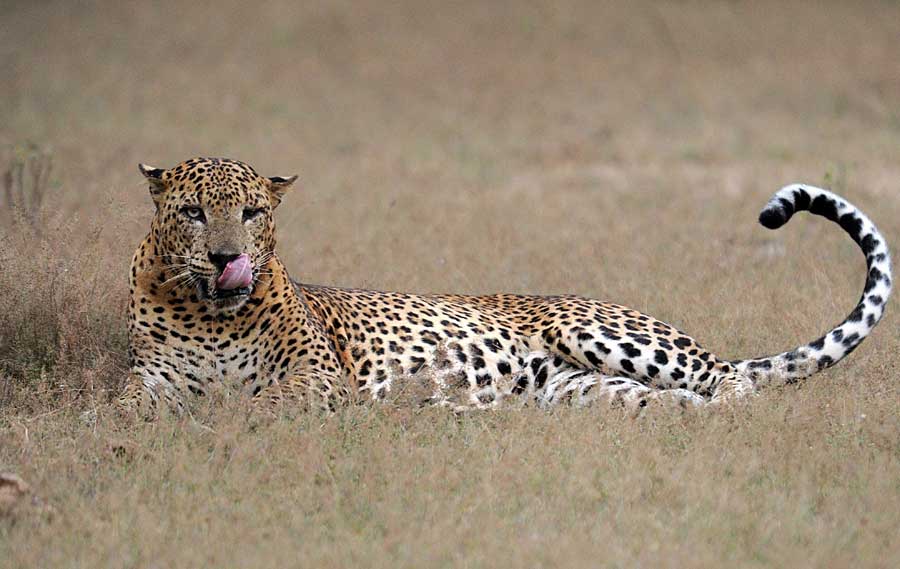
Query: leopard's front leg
[(300, 391), (145, 395)]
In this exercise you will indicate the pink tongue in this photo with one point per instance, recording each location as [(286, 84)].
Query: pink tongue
[(237, 274)]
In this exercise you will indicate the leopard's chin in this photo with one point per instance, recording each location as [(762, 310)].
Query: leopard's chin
[(223, 300)]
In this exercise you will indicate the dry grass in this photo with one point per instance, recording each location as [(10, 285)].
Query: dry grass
[(614, 150)]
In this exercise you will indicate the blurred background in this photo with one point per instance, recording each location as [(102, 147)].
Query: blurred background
[(400, 116)]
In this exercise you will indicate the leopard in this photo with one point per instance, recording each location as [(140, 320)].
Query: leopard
[(213, 308)]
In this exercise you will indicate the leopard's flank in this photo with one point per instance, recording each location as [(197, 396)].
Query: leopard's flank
[(212, 307)]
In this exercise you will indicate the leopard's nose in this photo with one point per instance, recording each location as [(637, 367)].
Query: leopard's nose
[(221, 259)]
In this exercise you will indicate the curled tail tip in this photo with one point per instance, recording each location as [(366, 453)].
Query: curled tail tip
[(786, 201), (773, 216)]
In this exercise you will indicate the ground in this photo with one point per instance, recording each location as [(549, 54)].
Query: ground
[(619, 151)]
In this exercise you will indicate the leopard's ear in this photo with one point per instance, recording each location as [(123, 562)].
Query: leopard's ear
[(278, 186), (155, 177)]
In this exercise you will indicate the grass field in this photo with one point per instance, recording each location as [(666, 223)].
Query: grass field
[(615, 150)]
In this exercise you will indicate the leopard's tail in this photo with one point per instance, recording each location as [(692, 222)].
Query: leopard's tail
[(831, 348)]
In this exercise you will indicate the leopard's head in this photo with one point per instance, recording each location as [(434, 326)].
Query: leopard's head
[(214, 228)]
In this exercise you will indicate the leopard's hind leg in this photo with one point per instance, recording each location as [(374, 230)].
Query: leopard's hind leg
[(549, 381)]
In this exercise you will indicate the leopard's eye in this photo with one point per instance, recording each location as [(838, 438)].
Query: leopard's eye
[(194, 213), (251, 213)]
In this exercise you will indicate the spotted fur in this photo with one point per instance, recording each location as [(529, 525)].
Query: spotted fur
[(283, 341)]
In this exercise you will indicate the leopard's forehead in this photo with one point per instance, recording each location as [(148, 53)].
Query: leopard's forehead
[(217, 178)]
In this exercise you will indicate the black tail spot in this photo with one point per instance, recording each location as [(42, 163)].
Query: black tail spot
[(852, 225), (825, 207), (851, 339), (801, 199), (773, 217), (761, 364), (868, 245)]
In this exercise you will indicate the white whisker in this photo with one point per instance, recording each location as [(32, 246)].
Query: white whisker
[(176, 277)]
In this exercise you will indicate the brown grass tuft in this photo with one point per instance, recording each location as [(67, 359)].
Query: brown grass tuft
[(61, 335)]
